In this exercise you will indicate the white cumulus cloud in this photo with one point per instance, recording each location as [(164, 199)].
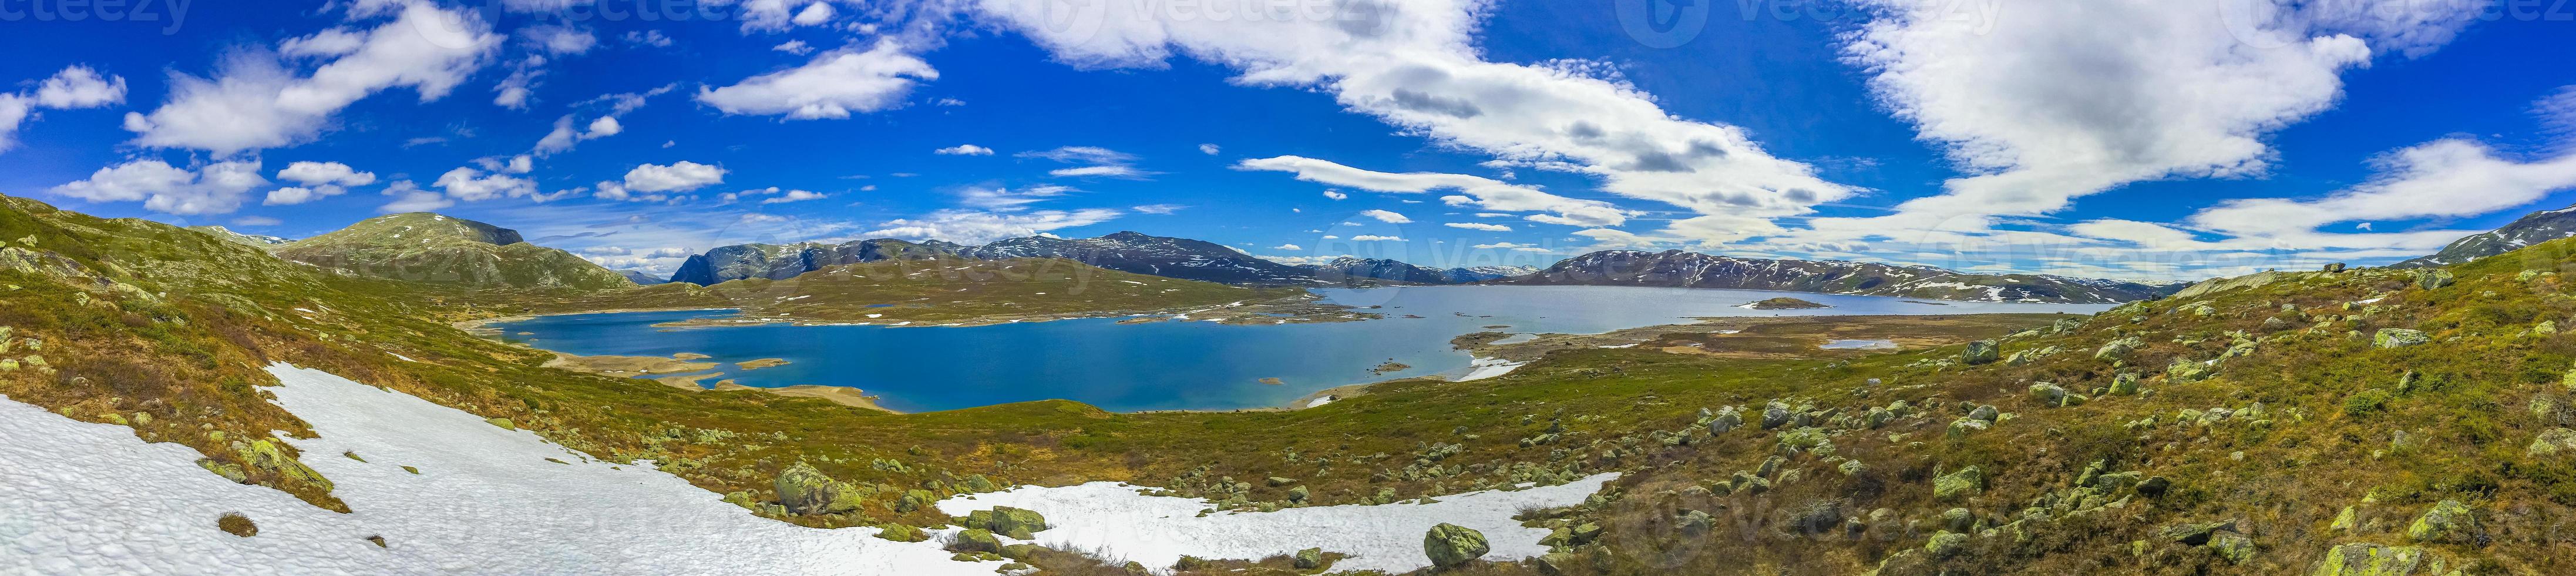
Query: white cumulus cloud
[(834, 85)]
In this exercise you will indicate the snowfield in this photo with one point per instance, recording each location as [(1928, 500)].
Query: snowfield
[(1114, 521), (83, 498)]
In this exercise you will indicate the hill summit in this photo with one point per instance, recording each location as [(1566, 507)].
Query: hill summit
[(434, 248)]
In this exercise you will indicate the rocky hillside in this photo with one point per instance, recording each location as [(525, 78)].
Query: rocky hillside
[(2534, 228), (780, 262), (1679, 269), (642, 278), (436, 249)]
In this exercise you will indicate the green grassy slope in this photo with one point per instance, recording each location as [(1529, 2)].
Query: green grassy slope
[(430, 248)]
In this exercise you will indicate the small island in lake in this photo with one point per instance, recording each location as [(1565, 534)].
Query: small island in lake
[(1273, 381), (763, 363), (1390, 366), (1785, 303)]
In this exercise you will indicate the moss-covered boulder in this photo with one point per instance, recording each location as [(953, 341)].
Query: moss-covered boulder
[(504, 423), (1016, 523), (2365, 559), (2124, 384), (2238, 549), (1981, 352), (901, 533), (1451, 545), (976, 540), (265, 455), (2399, 338), (2448, 522), (2188, 370), (1956, 486), (2435, 279), (805, 490), (914, 500), (1945, 544), (2552, 442), (2048, 395), (1309, 559)]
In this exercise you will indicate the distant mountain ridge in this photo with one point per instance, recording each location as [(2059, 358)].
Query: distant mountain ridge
[(1130, 252), (1359, 271), (1680, 269), (2533, 228), (434, 248), (1188, 259)]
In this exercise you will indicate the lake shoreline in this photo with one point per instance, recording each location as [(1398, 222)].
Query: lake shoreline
[(1162, 364)]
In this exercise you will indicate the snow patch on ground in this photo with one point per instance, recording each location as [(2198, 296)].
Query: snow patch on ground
[(1115, 521), (85, 498), (82, 498), (1482, 368)]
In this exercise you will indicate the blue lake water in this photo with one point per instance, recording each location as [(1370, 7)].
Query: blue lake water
[(1174, 365)]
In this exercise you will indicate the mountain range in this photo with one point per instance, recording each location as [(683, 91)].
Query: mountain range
[(1188, 259), (440, 249), (1679, 269)]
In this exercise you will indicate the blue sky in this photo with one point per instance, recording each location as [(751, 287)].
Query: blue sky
[(2154, 140)]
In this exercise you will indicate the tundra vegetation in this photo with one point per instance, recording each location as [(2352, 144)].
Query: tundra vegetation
[(2368, 421)]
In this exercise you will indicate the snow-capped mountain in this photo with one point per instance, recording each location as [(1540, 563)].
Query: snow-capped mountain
[(1483, 273), (256, 240), (1679, 269), (2534, 228)]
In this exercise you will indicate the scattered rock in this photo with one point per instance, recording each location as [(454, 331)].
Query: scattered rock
[(504, 423), (901, 533), (2236, 548)]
